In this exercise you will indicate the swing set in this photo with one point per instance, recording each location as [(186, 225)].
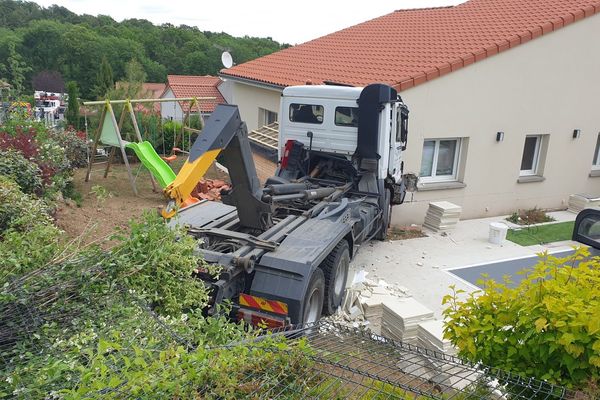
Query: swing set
[(109, 133)]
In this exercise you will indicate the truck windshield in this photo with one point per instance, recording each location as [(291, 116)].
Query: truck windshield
[(306, 113)]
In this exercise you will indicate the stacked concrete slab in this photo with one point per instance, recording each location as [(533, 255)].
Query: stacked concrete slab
[(442, 216), (401, 318), (578, 202), (431, 336)]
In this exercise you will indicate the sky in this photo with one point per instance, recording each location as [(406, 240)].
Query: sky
[(292, 22)]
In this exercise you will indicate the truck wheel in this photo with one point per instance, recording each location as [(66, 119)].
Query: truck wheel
[(313, 301), (335, 267), (386, 218)]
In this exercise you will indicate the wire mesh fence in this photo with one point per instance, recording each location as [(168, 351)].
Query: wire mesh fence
[(66, 333)]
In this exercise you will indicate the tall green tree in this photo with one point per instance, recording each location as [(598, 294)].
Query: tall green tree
[(105, 81), (72, 113), (16, 68)]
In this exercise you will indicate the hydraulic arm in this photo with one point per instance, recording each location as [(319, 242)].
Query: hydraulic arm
[(224, 135)]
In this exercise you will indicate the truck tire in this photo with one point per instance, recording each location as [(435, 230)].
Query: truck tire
[(386, 218), (313, 301), (335, 268)]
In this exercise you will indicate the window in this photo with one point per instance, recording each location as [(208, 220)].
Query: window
[(596, 163), (266, 117), (306, 113), (531, 155), (440, 160), (346, 116)]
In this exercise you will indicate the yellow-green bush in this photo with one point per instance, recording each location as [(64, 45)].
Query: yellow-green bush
[(547, 327)]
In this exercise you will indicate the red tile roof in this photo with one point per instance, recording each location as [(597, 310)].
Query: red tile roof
[(196, 86), (409, 47)]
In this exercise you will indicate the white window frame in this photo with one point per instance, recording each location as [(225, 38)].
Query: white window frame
[(263, 116), (536, 156), (443, 178), (596, 162)]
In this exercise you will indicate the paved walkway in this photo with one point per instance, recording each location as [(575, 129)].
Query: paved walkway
[(421, 264)]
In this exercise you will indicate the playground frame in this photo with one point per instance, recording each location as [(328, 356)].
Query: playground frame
[(109, 130)]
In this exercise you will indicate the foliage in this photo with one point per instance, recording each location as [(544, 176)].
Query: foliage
[(104, 81), (170, 130), (531, 235), (25, 173), (158, 262), (16, 68), (87, 333), (74, 145), (46, 148), (72, 113), (20, 211), (547, 327), (23, 253), (529, 217), (57, 39)]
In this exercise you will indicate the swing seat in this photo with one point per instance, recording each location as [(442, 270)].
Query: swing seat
[(170, 158)]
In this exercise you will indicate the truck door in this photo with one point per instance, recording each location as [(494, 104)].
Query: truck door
[(398, 138)]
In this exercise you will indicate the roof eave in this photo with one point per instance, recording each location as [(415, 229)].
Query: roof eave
[(253, 82)]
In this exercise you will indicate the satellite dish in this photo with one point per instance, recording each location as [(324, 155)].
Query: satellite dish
[(226, 59)]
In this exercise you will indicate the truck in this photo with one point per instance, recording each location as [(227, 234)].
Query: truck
[(587, 229), (284, 247)]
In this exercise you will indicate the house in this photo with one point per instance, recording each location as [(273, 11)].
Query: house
[(153, 91), (503, 97), (182, 86)]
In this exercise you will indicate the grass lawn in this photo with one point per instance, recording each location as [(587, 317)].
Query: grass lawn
[(541, 234)]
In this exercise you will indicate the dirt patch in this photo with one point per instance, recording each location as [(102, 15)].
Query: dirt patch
[(405, 232), (110, 203)]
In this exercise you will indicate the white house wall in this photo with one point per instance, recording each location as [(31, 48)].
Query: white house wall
[(250, 98), (171, 110), (548, 86)]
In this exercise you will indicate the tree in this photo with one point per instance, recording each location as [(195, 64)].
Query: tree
[(105, 81), (48, 81), (72, 113), (17, 68)]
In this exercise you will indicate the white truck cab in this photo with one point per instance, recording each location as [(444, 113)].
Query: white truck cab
[(326, 119)]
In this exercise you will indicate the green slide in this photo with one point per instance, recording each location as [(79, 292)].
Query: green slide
[(151, 160)]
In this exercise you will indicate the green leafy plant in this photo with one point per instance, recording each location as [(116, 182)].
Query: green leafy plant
[(24, 172), (20, 211), (529, 217), (547, 327), (159, 262), (101, 194)]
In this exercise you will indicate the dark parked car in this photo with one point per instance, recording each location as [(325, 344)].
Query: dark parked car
[(587, 229)]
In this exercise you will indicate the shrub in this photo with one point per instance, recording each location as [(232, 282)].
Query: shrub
[(76, 327), (547, 327), (23, 253), (25, 173), (158, 262), (20, 211), (74, 145), (40, 146), (170, 129), (529, 217)]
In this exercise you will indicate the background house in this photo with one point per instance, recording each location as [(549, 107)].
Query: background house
[(181, 86), (503, 97)]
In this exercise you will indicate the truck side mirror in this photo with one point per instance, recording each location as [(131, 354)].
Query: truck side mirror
[(404, 126)]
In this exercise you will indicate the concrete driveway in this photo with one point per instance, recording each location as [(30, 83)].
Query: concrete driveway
[(424, 265)]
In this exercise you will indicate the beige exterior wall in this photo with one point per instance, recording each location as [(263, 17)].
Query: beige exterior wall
[(549, 86), (250, 98)]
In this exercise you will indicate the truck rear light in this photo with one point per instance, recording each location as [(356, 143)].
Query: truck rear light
[(261, 320), (286, 153)]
